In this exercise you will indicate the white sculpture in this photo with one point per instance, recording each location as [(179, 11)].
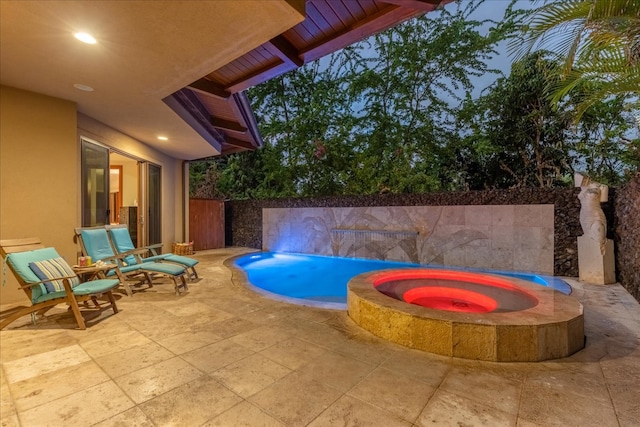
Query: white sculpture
[(592, 219)]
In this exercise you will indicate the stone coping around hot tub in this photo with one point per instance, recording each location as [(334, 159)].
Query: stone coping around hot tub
[(554, 328)]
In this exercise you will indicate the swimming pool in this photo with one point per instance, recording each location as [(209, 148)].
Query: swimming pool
[(321, 281)]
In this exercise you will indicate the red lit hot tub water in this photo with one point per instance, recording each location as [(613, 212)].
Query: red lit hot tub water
[(454, 291)]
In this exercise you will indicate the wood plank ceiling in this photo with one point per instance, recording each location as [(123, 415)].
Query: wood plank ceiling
[(216, 105)]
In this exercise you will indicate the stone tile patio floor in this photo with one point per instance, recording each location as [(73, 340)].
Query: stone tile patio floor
[(222, 355)]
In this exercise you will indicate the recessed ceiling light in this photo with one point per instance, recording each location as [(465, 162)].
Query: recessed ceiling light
[(163, 138), (85, 38), (83, 87)]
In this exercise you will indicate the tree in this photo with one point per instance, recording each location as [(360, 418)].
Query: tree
[(519, 139), (306, 120), (599, 41), (408, 94), (606, 144)]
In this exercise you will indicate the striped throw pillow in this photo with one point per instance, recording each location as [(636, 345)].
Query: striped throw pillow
[(52, 268)]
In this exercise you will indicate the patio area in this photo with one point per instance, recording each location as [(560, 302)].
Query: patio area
[(222, 355)]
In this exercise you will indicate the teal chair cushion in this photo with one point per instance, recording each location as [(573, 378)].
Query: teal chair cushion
[(95, 286), (156, 267), (189, 262), (86, 288), (123, 243), (96, 243), (20, 263)]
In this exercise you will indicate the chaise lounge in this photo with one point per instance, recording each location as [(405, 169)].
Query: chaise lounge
[(96, 244), (121, 240)]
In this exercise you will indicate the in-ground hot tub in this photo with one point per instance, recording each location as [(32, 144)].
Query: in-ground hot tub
[(467, 315)]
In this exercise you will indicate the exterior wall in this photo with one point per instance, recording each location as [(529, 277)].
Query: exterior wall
[(39, 174), (172, 212), (244, 217), (503, 237)]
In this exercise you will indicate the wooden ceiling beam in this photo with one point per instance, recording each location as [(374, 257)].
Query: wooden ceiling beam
[(207, 87), (425, 5), (375, 23), (260, 76), (282, 48), (227, 125), (232, 150), (238, 143)]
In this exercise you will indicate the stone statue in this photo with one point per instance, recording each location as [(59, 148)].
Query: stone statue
[(592, 219)]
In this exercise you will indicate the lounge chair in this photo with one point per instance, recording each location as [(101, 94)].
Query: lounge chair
[(48, 280), (121, 240), (96, 244)]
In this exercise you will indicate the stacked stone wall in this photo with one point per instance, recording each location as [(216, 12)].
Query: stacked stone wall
[(627, 235)]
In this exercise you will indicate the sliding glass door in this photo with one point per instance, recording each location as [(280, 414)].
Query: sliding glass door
[(154, 191), (140, 189), (95, 184)]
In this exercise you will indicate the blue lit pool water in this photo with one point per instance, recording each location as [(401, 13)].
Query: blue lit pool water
[(322, 280)]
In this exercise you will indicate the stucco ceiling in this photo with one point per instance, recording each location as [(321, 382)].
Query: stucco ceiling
[(146, 51), (178, 68)]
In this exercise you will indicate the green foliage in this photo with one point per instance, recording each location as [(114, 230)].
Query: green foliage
[(599, 41), (379, 117), (523, 140)]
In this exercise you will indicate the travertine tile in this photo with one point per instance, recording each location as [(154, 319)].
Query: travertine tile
[(454, 215), (133, 359), (243, 414), (187, 341), (42, 363), (114, 343), (340, 374), (478, 215), (544, 405), (191, 404), (336, 370), (407, 400), (133, 417), (295, 400), (364, 347), (474, 341), (250, 375), (502, 215), (533, 215), (229, 328), (419, 365), (214, 356), (18, 344), (583, 379), (484, 388), (7, 406), (260, 338), (293, 353), (44, 388), (448, 409), (157, 379), (9, 420), (83, 408), (349, 411)]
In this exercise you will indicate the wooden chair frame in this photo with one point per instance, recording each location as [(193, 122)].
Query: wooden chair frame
[(23, 245)]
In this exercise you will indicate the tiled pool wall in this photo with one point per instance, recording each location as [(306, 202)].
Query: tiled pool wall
[(503, 237), (244, 217)]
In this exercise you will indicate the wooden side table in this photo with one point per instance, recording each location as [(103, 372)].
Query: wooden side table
[(93, 272)]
